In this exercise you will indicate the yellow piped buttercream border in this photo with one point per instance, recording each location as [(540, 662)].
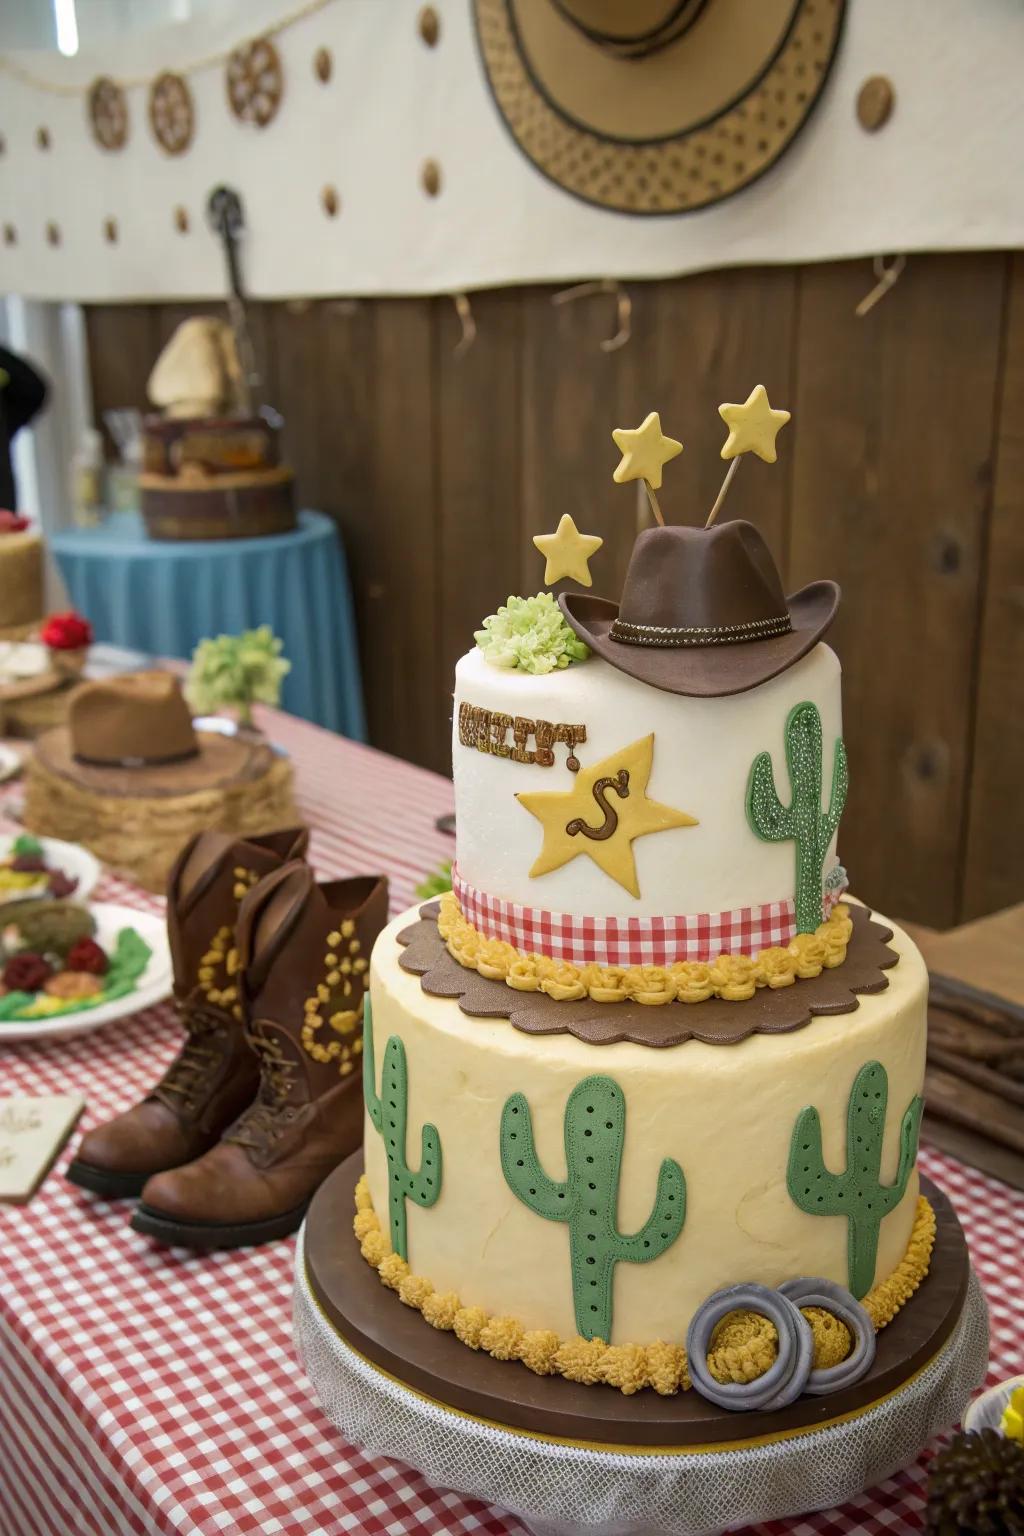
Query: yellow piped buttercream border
[(746, 1351), (733, 977)]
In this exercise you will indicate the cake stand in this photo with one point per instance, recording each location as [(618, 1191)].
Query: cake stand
[(566, 1458)]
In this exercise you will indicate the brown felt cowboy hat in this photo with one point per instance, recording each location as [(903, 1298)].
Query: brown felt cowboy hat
[(133, 735), (656, 106), (703, 612)]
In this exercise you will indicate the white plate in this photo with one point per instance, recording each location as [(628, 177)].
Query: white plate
[(152, 986), (10, 763), (75, 861), (986, 1412)]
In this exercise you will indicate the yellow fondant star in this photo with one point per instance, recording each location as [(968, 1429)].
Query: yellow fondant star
[(753, 426), (567, 552), (600, 816), (645, 450)]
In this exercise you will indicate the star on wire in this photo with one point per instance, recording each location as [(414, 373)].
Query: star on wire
[(567, 552), (753, 428), (645, 452)]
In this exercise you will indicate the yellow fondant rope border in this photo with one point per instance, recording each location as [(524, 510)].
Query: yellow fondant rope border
[(733, 977), (743, 1354)]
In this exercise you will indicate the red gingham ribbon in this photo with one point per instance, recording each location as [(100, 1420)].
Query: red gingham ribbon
[(630, 940)]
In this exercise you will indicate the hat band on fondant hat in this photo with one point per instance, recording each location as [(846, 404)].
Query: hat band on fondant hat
[(136, 762), (700, 634)]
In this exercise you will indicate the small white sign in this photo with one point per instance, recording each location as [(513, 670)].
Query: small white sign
[(32, 1132)]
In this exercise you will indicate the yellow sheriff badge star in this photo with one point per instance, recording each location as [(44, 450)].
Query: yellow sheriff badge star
[(601, 815), (753, 426), (645, 451), (567, 552)]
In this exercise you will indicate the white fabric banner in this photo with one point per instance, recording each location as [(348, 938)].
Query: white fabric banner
[(946, 172)]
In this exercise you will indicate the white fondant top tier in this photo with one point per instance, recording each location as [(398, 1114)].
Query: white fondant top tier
[(702, 754)]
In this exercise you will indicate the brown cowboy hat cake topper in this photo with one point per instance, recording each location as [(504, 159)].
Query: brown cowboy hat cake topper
[(703, 611), (134, 735), (656, 106)]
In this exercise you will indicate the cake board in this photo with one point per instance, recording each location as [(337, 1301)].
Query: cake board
[(569, 1458)]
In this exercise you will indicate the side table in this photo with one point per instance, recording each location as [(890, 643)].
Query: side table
[(163, 598)]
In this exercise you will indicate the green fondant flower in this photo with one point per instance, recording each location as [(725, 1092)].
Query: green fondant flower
[(530, 633)]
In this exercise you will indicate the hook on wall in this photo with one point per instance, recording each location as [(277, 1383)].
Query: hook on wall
[(464, 310), (623, 307), (886, 276)]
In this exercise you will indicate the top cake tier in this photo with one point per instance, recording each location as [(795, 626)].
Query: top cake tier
[(657, 779), (675, 836)]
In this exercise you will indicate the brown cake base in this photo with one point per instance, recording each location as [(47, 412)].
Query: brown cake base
[(715, 1021), (374, 1322), (248, 505)]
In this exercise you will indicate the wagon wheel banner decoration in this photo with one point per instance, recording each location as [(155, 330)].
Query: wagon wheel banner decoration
[(108, 113), (171, 113), (255, 82)]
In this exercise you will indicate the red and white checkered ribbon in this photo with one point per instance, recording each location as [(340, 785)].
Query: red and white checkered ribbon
[(630, 940)]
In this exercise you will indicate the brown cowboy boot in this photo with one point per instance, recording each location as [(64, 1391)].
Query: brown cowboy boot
[(214, 1075), (304, 951)]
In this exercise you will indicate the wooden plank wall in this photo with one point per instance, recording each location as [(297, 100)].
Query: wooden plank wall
[(902, 476)]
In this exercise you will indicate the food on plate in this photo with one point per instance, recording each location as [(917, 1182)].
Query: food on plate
[(44, 927), (25, 871), (45, 982)]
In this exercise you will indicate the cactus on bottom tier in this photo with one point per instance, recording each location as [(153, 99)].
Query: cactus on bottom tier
[(858, 1193), (587, 1199), (389, 1113)]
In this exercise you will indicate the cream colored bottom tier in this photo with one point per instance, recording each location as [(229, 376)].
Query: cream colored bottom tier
[(725, 1113)]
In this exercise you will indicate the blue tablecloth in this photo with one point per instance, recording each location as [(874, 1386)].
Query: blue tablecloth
[(163, 598)]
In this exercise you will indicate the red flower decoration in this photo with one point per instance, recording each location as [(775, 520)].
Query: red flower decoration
[(87, 955), (10, 522), (26, 973), (66, 632)]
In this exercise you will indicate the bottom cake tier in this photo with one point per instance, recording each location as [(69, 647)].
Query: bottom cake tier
[(586, 1192), (343, 1298)]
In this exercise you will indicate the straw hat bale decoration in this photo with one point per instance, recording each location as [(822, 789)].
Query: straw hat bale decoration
[(656, 106), (131, 776), (134, 734)]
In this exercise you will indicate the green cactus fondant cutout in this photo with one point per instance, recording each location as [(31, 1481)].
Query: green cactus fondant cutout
[(803, 820), (587, 1200), (858, 1193), (389, 1113)]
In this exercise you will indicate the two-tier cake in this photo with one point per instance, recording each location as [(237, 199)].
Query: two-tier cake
[(643, 1091)]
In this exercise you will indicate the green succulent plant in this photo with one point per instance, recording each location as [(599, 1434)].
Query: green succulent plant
[(237, 671), (437, 882)]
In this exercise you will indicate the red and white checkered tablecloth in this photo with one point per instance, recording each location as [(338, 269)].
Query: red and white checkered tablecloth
[(149, 1391)]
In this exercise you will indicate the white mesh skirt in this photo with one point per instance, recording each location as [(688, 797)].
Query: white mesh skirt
[(564, 1490)]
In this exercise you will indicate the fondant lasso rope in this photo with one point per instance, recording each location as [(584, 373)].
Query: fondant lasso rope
[(742, 1348), (731, 976)]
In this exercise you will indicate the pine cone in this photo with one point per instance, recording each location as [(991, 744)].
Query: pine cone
[(976, 1487)]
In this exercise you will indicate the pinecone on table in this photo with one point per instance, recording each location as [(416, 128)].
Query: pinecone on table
[(976, 1487)]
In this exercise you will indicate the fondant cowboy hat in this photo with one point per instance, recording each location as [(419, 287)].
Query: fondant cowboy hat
[(133, 735), (656, 106), (703, 612)]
